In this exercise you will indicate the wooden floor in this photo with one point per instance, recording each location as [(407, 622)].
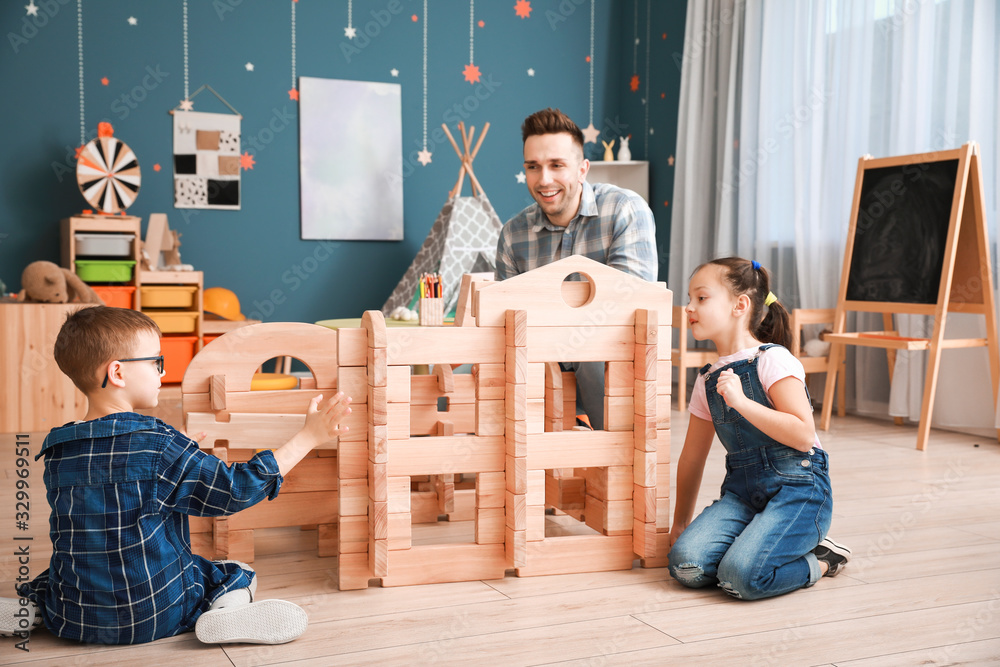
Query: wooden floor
[(923, 588)]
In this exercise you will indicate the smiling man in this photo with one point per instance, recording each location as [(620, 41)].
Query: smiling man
[(570, 216)]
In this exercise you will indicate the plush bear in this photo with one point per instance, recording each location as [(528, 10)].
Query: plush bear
[(45, 282)]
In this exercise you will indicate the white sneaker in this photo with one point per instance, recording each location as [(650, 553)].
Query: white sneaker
[(265, 622), (16, 618)]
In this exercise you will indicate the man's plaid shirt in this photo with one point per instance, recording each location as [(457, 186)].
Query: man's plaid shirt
[(613, 226), (120, 489)]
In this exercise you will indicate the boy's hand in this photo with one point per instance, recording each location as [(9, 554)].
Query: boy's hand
[(323, 421), (730, 387)]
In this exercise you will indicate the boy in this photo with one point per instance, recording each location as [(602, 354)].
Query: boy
[(120, 486)]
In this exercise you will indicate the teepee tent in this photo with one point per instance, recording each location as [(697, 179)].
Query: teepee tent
[(463, 238)]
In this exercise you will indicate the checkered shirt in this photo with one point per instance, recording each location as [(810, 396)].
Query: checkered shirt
[(613, 226), (120, 489)]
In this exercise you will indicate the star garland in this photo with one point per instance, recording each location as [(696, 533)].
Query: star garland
[(293, 92), (649, 130), (79, 50), (590, 133), (350, 31), (471, 72), (633, 83), (186, 103), (424, 156)]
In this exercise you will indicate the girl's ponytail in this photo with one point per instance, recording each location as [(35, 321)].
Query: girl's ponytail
[(769, 321)]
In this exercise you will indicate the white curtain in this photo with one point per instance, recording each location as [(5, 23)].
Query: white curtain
[(779, 99)]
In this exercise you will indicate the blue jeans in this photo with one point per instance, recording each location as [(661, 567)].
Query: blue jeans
[(776, 505), (589, 390)]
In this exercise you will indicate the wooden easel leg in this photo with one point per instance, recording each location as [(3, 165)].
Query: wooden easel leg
[(836, 354)]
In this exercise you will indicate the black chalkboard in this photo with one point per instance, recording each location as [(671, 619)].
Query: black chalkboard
[(900, 232)]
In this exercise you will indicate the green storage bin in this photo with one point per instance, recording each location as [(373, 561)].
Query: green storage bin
[(105, 270)]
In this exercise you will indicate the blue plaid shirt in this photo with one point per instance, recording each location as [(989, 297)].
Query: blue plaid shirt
[(120, 487), (613, 226)]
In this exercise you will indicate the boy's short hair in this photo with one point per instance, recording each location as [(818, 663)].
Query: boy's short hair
[(91, 337), (551, 121)]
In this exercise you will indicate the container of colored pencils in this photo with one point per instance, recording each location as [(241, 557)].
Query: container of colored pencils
[(431, 301)]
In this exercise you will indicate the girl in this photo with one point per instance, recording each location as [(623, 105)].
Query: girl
[(766, 535)]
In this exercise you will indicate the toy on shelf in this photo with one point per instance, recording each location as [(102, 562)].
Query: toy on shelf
[(609, 156), (624, 153), (45, 282), (161, 250), (107, 172)]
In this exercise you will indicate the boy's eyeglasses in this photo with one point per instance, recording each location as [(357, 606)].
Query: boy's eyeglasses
[(158, 360)]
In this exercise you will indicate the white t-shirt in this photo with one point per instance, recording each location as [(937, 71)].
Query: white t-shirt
[(775, 363)]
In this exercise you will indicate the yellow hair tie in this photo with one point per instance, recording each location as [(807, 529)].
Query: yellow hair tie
[(770, 299)]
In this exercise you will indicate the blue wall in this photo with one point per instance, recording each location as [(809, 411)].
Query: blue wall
[(257, 251)]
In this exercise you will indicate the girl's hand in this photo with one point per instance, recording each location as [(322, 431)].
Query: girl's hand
[(675, 532), (323, 421), (730, 387)]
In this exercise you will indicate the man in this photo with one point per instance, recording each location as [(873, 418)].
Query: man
[(608, 224)]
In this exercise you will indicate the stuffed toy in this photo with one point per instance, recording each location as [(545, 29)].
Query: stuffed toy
[(45, 282)]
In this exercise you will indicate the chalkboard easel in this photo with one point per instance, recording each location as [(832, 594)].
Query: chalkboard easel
[(917, 244)]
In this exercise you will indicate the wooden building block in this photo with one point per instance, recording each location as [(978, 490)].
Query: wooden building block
[(535, 415), (378, 557), (662, 513), (664, 376), (446, 428), (577, 553), (464, 505), (378, 405), (662, 411), (326, 540), (516, 547), (373, 322), (644, 430), (378, 520), (516, 365), (400, 532), (399, 495), (516, 328), (645, 362), (644, 503), (378, 482), (424, 507), (580, 449), (516, 477), (645, 468), (516, 511), (536, 381), (217, 392), (662, 477), (644, 541), (564, 492), (619, 412), (646, 326), (516, 401), (535, 526), (516, 438), (352, 347), (490, 380), (353, 494), (490, 525), (353, 572), (444, 487), (445, 378), (446, 345), (491, 490), (444, 455), (535, 490), (352, 460), (610, 517), (619, 377), (490, 417), (352, 534), (378, 369), (610, 483), (442, 563), (645, 398), (378, 443)]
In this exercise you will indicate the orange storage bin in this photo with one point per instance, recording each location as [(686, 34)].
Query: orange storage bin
[(178, 351), (174, 321), (168, 296), (208, 338), (117, 296)]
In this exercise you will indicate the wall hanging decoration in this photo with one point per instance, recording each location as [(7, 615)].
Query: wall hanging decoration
[(350, 31), (107, 172), (207, 157), (471, 72), (350, 160), (293, 92), (590, 133), (645, 99)]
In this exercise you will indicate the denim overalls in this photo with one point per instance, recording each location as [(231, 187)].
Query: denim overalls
[(776, 505)]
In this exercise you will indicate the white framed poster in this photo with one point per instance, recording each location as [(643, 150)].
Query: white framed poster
[(206, 160), (350, 160)]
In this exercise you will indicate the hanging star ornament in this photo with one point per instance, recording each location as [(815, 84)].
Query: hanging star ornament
[(246, 161), (424, 157), (634, 83), (394, 72), (590, 134), (32, 8), (249, 67), (471, 73), (670, 160), (521, 178), (350, 32), (531, 71), (132, 20), (522, 8), (293, 94), (186, 105)]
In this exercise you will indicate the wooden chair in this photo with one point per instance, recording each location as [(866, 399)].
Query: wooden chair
[(682, 357), (801, 317)]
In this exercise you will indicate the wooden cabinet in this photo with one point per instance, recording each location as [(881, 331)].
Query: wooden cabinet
[(174, 300)]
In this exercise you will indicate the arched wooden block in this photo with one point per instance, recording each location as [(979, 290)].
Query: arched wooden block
[(611, 297), (239, 353)]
